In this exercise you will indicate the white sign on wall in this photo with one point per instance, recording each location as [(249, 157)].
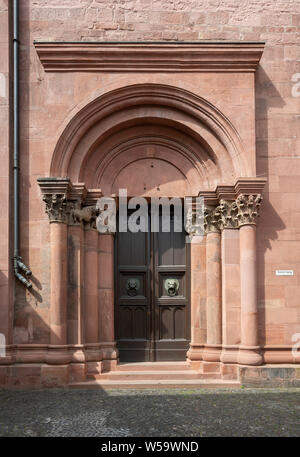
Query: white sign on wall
[(284, 272)]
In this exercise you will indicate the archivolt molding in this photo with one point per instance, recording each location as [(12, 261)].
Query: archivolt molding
[(189, 159), (200, 119)]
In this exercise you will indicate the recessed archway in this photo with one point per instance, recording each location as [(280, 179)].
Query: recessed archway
[(195, 144)]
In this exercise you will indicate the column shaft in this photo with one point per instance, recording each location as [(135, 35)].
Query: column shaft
[(249, 349), (214, 288), (248, 285), (58, 305), (231, 295), (106, 291), (91, 286), (75, 284), (198, 298)]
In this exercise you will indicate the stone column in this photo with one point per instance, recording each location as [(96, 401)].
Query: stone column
[(75, 311), (75, 284), (248, 207), (197, 242), (55, 194), (91, 285), (83, 250), (198, 300), (230, 283), (106, 298), (56, 208), (213, 286)]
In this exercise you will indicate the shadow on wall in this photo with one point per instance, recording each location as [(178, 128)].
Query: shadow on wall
[(270, 223), (29, 324)]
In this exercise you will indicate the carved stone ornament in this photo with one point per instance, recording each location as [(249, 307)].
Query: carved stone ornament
[(193, 226), (85, 216), (248, 208), (56, 206), (228, 214), (212, 220)]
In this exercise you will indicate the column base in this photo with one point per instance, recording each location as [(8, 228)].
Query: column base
[(58, 355), (93, 352), (249, 355), (195, 352), (229, 354), (212, 352)]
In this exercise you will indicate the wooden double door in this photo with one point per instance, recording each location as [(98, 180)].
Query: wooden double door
[(152, 307)]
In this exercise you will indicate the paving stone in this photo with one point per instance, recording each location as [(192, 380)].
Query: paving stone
[(149, 413)]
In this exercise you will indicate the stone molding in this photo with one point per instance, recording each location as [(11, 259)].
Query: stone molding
[(73, 204), (150, 56), (245, 186)]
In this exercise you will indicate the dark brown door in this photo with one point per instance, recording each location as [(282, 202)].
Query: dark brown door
[(152, 296)]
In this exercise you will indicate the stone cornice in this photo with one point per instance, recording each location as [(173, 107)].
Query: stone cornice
[(150, 56), (245, 186), (51, 185)]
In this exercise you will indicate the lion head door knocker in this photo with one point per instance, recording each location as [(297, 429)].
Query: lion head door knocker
[(172, 286), (132, 286)]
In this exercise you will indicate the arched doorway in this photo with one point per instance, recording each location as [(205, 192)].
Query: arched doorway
[(153, 140)]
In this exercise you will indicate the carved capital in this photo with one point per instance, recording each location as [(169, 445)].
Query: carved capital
[(228, 214), (84, 216), (248, 208), (194, 225), (212, 219), (56, 207)]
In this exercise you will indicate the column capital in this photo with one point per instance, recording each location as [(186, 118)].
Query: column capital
[(194, 224), (56, 207), (55, 192), (212, 219), (228, 211), (248, 208)]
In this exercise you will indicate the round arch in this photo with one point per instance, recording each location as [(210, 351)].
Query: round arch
[(194, 143)]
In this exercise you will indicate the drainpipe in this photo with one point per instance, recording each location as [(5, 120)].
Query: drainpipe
[(20, 268)]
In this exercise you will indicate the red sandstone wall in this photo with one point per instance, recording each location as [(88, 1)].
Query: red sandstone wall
[(277, 127), (5, 251)]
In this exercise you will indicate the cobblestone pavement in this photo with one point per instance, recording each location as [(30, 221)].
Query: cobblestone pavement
[(192, 413)]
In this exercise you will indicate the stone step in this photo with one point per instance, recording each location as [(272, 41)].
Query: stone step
[(153, 366), (155, 384), (156, 375)]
